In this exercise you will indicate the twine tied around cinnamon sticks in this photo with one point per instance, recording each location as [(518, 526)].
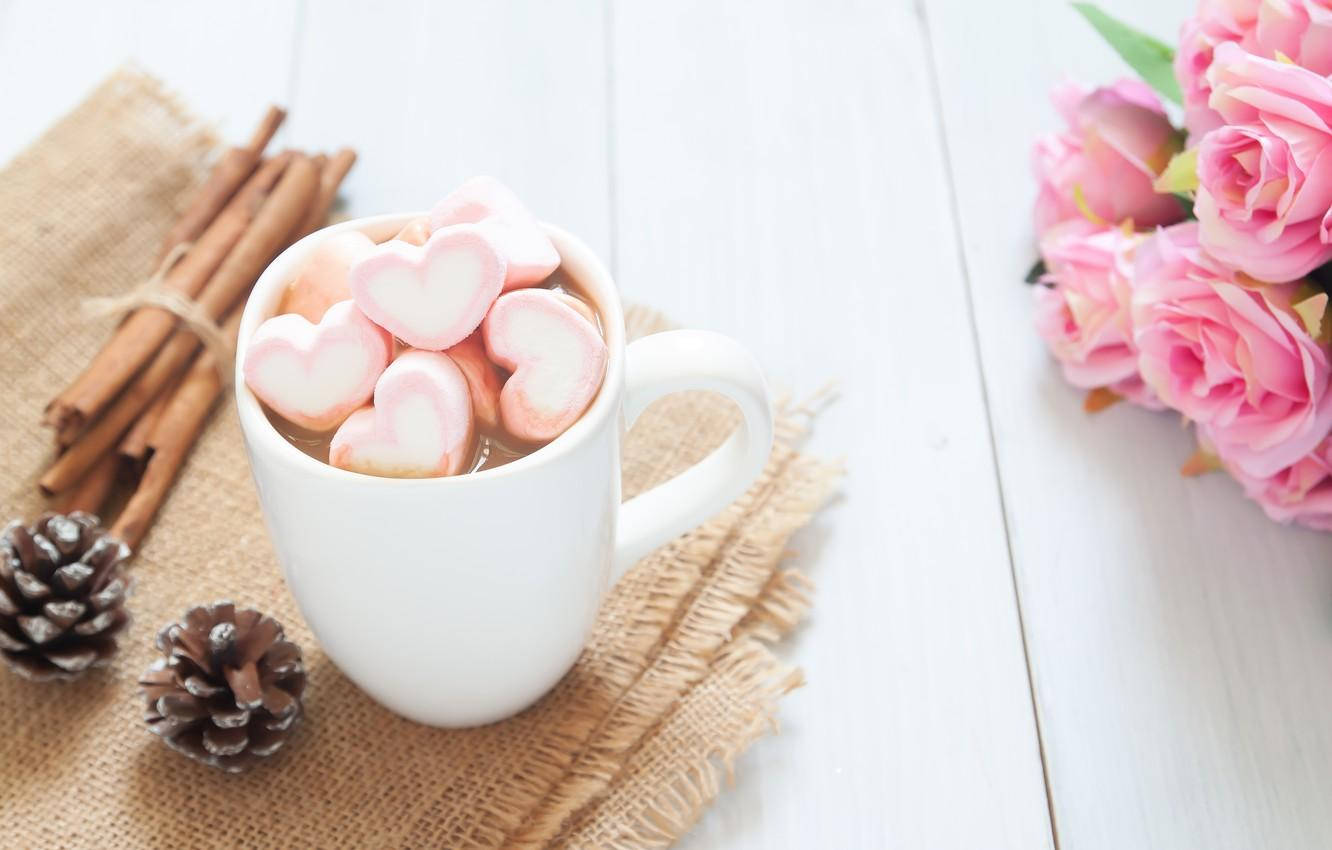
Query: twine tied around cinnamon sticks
[(152, 293), (146, 395)]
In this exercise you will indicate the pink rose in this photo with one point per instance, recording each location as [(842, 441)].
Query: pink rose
[(1082, 311), (1264, 201), (1216, 22), (1301, 492), (1118, 139), (1300, 30), (1230, 357)]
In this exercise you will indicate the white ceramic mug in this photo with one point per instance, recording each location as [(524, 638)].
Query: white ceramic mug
[(459, 601)]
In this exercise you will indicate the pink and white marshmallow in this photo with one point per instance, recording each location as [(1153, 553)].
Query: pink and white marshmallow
[(314, 375), (431, 296), (322, 281), (488, 203), (556, 357), (484, 381), (420, 425)]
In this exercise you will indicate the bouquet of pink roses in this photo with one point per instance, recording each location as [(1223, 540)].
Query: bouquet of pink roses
[(1189, 269)]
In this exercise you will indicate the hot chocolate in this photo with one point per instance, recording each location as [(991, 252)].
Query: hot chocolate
[(431, 353)]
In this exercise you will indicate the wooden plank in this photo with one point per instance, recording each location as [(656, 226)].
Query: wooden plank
[(1180, 642), (227, 65), (432, 93), (777, 178)]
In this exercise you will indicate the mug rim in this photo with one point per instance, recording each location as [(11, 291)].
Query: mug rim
[(263, 436)]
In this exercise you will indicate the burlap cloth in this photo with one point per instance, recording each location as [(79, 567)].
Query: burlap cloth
[(627, 750)]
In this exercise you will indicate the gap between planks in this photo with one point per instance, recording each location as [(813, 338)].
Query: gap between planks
[(941, 133)]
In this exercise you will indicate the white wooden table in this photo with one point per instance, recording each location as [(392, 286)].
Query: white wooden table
[(1030, 631)]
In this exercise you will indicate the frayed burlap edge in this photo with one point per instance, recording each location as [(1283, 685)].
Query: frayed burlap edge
[(744, 668), (131, 85)]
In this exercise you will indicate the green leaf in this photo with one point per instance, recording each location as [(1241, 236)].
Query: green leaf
[(1186, 204), (1146, 55), (1180, 175), (1035, 272), (1311, 312)]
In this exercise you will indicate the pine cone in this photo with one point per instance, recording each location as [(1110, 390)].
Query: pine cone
[(62, 595), (228, 691)]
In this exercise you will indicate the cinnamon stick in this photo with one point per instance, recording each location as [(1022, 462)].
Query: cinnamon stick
[(91, 492), (134, 342), (97, 441), (68, 433), (320, 161), (268, 235), (330, 178), (262, 240), (175, 432), (134, 447), (232, 169)]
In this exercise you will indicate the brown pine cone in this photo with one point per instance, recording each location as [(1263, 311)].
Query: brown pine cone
[(228, 690), (62, 595)]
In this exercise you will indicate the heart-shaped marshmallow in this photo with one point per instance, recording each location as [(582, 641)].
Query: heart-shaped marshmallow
[(528, 252), (315, 375), (322, 280), (556, 356), (419, 427), (484, 381), (432, 296)]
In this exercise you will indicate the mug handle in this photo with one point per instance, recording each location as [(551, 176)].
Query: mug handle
[(670, 362)]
